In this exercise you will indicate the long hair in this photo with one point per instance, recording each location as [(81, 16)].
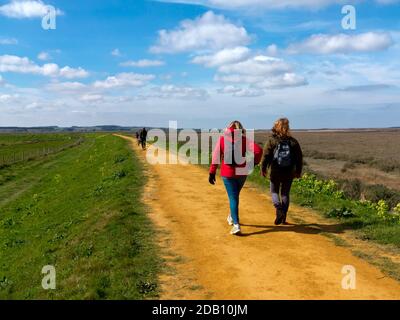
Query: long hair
[(281, 128), (237, 125)]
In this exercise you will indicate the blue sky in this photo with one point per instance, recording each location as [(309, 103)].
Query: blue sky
[(200, 62)]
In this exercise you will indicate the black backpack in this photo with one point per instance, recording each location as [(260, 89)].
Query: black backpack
[(283, 156), (231, 155)]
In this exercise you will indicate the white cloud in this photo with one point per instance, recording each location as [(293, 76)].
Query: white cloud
[(70, 73), (66, 87), (257, 66), (272, 50), (25, 9), (5, 98), (124, 80), (222, 57), (44, 56), (10, 63), (209, 31), (32, 105), (91, 98), (116, 53), (343, 43), (288, 79), (143, 63), (178, 92), (261, 72), (241, 92), (8, 41)]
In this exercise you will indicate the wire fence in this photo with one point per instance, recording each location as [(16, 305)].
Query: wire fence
[(27, 155)]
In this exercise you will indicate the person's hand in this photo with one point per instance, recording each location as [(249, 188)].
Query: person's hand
[(211, 178)]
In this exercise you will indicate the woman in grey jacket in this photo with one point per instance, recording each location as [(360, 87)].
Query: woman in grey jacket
[(284, 159)]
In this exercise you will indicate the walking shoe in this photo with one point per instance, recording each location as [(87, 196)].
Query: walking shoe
[(236, 229), (230, 220), (279, 216), (284, 218)]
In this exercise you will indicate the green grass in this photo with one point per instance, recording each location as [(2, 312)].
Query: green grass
[(21, 147), (80, 211)]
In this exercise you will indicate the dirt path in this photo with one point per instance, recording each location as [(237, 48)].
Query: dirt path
[(267, 262)]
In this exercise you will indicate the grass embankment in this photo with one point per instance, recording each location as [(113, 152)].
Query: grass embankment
[(80, 211)]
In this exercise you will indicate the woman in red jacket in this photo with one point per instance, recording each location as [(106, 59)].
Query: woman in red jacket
[(231, 151)]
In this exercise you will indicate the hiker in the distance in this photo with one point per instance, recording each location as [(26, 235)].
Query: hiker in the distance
[(234, 169), (284, 159), (138, 138), (143, 138)]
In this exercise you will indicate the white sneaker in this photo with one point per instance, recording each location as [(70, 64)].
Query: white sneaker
[(230, 220), (235, 229)]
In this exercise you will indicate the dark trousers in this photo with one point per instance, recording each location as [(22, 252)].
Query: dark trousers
[(280, 190)]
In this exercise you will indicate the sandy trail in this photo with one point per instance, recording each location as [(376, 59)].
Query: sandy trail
[(267, 262)]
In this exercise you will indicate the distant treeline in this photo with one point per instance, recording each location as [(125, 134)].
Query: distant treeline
[(55, 129)]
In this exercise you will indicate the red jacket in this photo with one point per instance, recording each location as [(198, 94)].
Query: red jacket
[(232, 171)]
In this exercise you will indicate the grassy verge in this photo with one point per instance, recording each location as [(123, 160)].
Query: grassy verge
[(79, 211)]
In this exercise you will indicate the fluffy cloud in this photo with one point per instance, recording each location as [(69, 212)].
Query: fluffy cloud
[(143, 63), (66, 87), (343, 43), (260, 72), (91, 98), (178, 92), (257, 66), (25, 9), (122, 80), (209, 31), (70, 73), (10, 63), (241, 92), (223, 57)]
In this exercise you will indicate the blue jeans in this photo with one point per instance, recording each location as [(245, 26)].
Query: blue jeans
[(233, 187), (281, 187)]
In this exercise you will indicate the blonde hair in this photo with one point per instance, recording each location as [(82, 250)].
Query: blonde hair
[(237, 125), (281, 128)]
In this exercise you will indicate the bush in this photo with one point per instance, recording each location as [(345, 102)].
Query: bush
[(351, 188), (378, 192), (340, 213), (310, 185)]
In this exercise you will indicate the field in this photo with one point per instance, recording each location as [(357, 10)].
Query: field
[(79, 210), (20, 147)]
